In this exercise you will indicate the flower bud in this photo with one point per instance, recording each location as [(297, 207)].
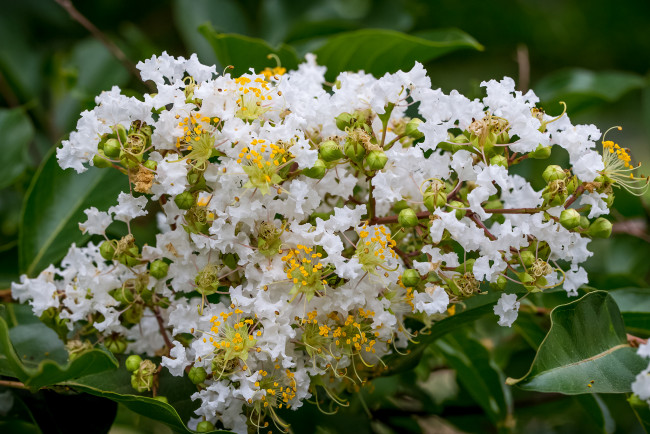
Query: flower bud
[(499, 160), (412, 130), (161, 399), (400, 205), (185, 200), (330, 151), (205, 426), (460, 213), (435, 200), (500, 284), (133, 314), (376, 160), (541, 153), (115, 344), (193, 177), (142, 378), (133, 363), (609, 200), (600, 228), (407, 218), (112, 148), (584, 222), (121, 133), (128, 161), (316, 172), (150, 164), (354, 151), (527, 257), (107, 250), (552, 173), (158, 269), (410, 278), (100, 161), (570, 218), (197, 374), (343, 121)]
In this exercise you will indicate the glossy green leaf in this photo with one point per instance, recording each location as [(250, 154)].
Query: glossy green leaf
[(36, 356), (585, 351), (634, 304), (116, 386), (478, 373), (641, 411), (16, 133), (596, 408), (581, 88), (379, 51), (54, 207), (244, 52)]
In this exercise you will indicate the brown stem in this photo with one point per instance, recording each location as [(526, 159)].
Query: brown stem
[(575, 195), (161, 326), (635, 341), (480, 224), (404, 257), (523, 62), (97, 34), (513, 210), (393, 218), (13, 384), (5, 295)]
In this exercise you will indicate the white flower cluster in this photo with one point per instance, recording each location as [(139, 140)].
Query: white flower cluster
[(641, 385), (302, 223)]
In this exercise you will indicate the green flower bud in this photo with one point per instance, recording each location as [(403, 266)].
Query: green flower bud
[(133, 314), (354, 151), (541, 153), (526, 279), (527, 257), (150, 164), (205, 426), (161, 399), (435, 200), (376, 160), (500, 284), (112, 148), (343, 121), (100, 161), (600, 228), (107, 250), (185, 200), (330, 151), (193, 177), (460, 213), (121, 133), (133, 363), (128, 161), (571, 184), (197, 374), (412, 130), (499, 160), (316, 172), (570, 218), (158, 269), (115, 344), (407, 218), (410, 278), (142, 378), (553, 172), (584, 222), (609, 200)]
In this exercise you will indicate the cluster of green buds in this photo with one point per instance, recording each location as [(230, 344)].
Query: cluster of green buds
[(124, 250), (559, 185), (142, 373), (126, 146)]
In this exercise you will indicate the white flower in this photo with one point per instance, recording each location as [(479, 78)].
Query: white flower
[(97, 222), (433, 300), (507, 308), (128, 207)]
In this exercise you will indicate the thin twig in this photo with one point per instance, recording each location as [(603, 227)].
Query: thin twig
[(13, 384), (523, 61), (161, 326)]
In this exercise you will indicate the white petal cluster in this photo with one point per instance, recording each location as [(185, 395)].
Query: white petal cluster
[(641, 385), (283, 261)]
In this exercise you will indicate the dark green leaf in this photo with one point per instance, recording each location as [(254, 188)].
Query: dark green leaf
[(478, 373), (634, 304), (379, 51), (34, 354), (596, 408), (116, 386), (581, 88), (527, 325), (16, 133), (585, 351), (641, 411), (244, 52), (54, 207)]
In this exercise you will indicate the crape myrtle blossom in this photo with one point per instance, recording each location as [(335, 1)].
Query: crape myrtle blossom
[(302, 223)]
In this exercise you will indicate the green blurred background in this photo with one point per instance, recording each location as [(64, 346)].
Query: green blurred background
[(593, 55)]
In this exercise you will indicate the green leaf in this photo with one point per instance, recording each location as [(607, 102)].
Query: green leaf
[(54, 206), (585, 351), (16, 133), (116, 386), (244, 52), (479, 374), (634, 304), (641, 411), (581, 88), (36, 356), (379, 51), (596, 408)]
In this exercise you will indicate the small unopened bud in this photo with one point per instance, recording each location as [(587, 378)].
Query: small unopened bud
[(100, 161), (115, 344), (376, 160), (570, 218), (435, 200), (112, 148), (158, 269), (609, 200), (121, 133), (107, 250), (316, 172), (553, 173), (500, 283), (600, 228), (412, 130), (197, 374), (343, 121), (407, 218), (460, 213), (185, 200), (400, 205), (499, 160), (584, 222), (527, 257), (128, 161), (150, 164), (541, 153), (354, 151), (410, 278), (205, 426), (142, 377), (330, 151)]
